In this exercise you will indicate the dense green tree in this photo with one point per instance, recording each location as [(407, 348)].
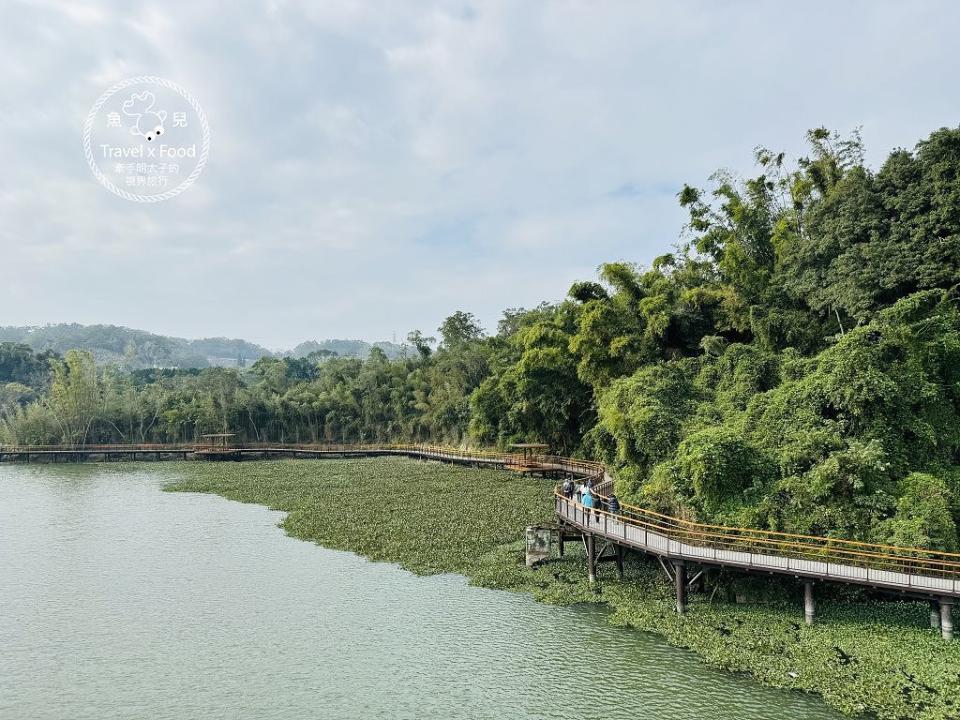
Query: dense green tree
[(461, 327), (421, 343), (75, 398), (534, 393), (19, 364)]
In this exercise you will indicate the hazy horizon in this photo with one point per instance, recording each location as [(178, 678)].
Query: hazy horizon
[(374, 167)]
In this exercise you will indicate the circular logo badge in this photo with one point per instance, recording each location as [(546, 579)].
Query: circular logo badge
[(146, 139)]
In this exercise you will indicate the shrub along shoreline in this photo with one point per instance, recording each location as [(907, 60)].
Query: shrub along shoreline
[(864, 656)]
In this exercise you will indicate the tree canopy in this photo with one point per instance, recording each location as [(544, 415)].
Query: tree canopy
[(793, 364)]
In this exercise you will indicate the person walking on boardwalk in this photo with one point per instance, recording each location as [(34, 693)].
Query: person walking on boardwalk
[(588, 503), (579, 492), (614, 505), (568, 488)]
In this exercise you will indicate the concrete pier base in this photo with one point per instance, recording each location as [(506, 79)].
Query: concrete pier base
[(934, 614), (591, 561), (946, 618), (808, 604), (680, 580), (538, 545)]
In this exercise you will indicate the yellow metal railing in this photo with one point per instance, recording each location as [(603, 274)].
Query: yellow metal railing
[(914, 561)]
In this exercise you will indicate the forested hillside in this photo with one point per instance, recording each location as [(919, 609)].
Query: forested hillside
[(346, 348), (136, 349), (133, 349), (794, 364)]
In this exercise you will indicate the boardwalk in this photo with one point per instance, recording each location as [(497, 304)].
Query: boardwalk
[(680, 545)]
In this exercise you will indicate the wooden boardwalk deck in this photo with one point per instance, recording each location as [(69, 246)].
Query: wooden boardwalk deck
[(677, 543)]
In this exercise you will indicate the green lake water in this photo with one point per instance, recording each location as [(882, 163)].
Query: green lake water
[(118, 600)]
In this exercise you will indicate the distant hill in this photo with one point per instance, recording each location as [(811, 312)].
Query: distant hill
[(348, 348), (135, 349), (138, 349)]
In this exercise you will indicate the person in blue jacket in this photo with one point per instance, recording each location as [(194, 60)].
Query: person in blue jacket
[(587, 502)]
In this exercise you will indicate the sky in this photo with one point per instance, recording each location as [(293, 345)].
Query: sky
[(375, 166)]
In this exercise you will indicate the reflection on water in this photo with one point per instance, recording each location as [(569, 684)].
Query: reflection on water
[(118, 600)]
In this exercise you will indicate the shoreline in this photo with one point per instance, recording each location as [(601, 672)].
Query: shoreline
[(844, 659)]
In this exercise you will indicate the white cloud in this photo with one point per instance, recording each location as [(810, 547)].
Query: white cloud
[(375, 166)]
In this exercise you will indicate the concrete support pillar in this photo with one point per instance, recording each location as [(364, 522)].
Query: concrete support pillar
[(808, 605), (538, 545), (680, 579), (591, 561), (620, 561), (934, 614), (946, 618)]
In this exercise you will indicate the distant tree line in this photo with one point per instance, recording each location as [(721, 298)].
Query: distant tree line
[(794, 364), (140, 350), (132, 349)]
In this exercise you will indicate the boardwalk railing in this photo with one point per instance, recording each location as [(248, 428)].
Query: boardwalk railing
[(883, 566)]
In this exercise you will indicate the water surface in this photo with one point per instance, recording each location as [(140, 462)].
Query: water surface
[(118, 600)]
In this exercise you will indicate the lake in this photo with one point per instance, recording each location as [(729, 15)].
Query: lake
[(118, 600)]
